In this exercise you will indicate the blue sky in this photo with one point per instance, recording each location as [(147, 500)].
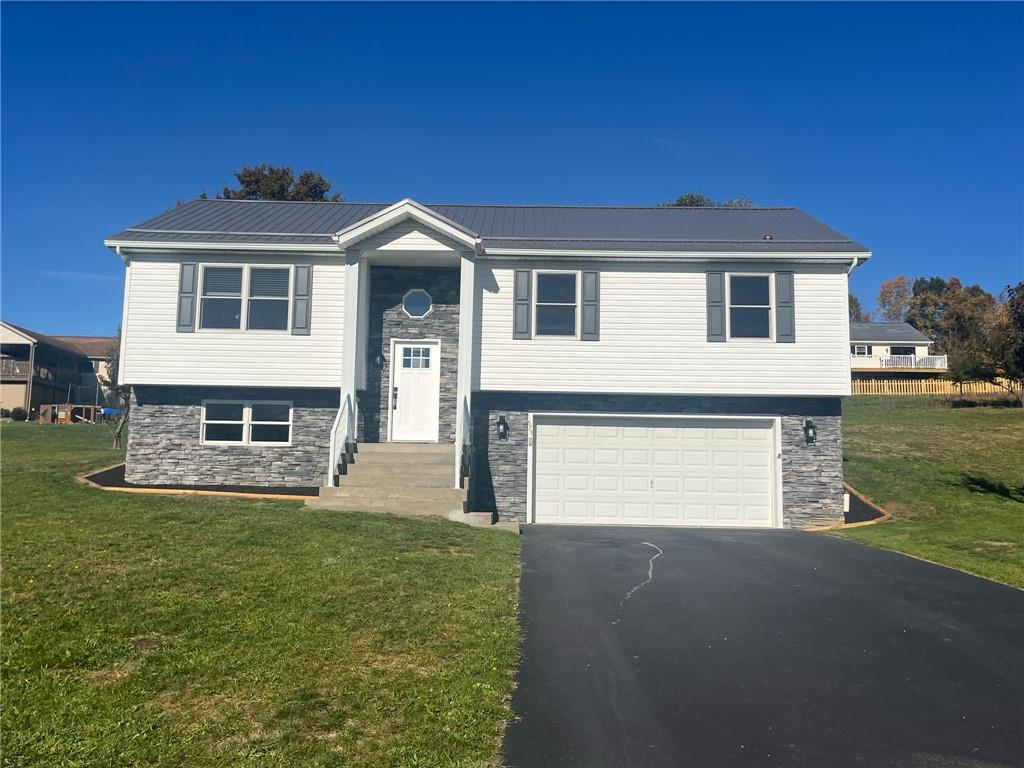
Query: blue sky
[(900, 125)]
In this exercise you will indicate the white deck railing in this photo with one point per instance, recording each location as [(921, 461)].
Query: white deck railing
[(9, 367), (933, 362)]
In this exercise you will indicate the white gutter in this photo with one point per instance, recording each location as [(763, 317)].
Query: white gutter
[(120, 246)]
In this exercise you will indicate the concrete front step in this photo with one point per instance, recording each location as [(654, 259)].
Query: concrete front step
[(363, 448), (394, 491), (405, 507), (387, 458), (388, 473), (389, 479)]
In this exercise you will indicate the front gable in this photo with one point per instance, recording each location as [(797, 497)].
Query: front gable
[(407, 225)]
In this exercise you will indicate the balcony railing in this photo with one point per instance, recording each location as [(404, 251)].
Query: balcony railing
[(913, 361), (19, 368), (929, 362)]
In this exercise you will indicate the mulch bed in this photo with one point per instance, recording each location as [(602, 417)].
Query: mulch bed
[(860, 512), (114, 478)]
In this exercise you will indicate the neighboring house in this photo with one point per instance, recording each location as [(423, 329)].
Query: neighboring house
[(611, 365), (884, 349), (37, 369), (95, 348)]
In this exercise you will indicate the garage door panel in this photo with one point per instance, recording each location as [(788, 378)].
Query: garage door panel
[(614, 470)]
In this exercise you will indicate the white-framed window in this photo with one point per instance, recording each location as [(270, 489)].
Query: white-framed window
[(417, 303), (750, 302), (245, 297), (246, 422), (860, 350), (556, 303)]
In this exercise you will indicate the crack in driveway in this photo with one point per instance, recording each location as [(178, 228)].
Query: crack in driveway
[(648, 580)]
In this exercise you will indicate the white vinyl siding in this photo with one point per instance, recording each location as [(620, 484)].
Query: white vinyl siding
[(654, 336), (407, 236), (153, 352)]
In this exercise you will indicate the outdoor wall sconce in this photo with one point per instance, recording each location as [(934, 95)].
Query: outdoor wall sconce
[(810, 432), (378, 361), (502, 428)]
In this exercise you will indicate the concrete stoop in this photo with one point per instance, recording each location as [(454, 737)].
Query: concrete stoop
[(406, 479)]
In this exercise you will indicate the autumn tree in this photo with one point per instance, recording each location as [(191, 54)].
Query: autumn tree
[(278, 182), (986, 337), (857, 313), (894, 298), (924, 309)]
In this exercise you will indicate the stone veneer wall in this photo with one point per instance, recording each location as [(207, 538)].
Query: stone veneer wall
[(388, 321), (164, 446), (812, 475)]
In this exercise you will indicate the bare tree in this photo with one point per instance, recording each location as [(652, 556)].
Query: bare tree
[(120, 394)]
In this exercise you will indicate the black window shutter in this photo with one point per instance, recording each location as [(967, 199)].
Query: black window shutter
[(301, 305), (785, 318), (716, 306), (187, 280), (590, 308), (521, 300)]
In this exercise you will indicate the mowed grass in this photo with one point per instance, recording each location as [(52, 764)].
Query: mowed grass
[(952, 478), (175, 630)]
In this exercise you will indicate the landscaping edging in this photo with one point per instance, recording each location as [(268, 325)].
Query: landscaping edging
[(109, 479), (882, 515)]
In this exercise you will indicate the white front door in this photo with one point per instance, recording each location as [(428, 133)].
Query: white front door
[(610, 470), (415, 391)]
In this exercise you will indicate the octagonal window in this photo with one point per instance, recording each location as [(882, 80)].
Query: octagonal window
[(417, 303)]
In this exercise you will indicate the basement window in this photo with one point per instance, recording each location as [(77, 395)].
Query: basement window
[(227, 422)]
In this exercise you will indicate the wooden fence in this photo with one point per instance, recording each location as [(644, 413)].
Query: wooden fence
[(925, 387)]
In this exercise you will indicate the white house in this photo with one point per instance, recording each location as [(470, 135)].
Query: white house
[(893, 347), (548, 364)]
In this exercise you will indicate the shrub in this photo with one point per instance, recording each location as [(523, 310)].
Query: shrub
[(5, 413), (19, 414)]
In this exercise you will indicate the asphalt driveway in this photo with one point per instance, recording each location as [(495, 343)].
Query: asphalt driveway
[(759, 649)]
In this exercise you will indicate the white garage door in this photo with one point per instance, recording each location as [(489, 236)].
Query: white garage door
[(649, 471)]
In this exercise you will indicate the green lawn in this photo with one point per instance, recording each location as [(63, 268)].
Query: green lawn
[(952, 478), (173, 630)]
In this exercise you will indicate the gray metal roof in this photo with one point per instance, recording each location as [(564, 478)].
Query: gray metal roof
[(886, 332), (508, 226)]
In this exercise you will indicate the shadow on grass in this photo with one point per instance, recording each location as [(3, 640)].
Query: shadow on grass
[(982, 484)]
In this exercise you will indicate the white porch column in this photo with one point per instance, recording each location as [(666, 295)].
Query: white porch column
[(464, 379), (350, 329)]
